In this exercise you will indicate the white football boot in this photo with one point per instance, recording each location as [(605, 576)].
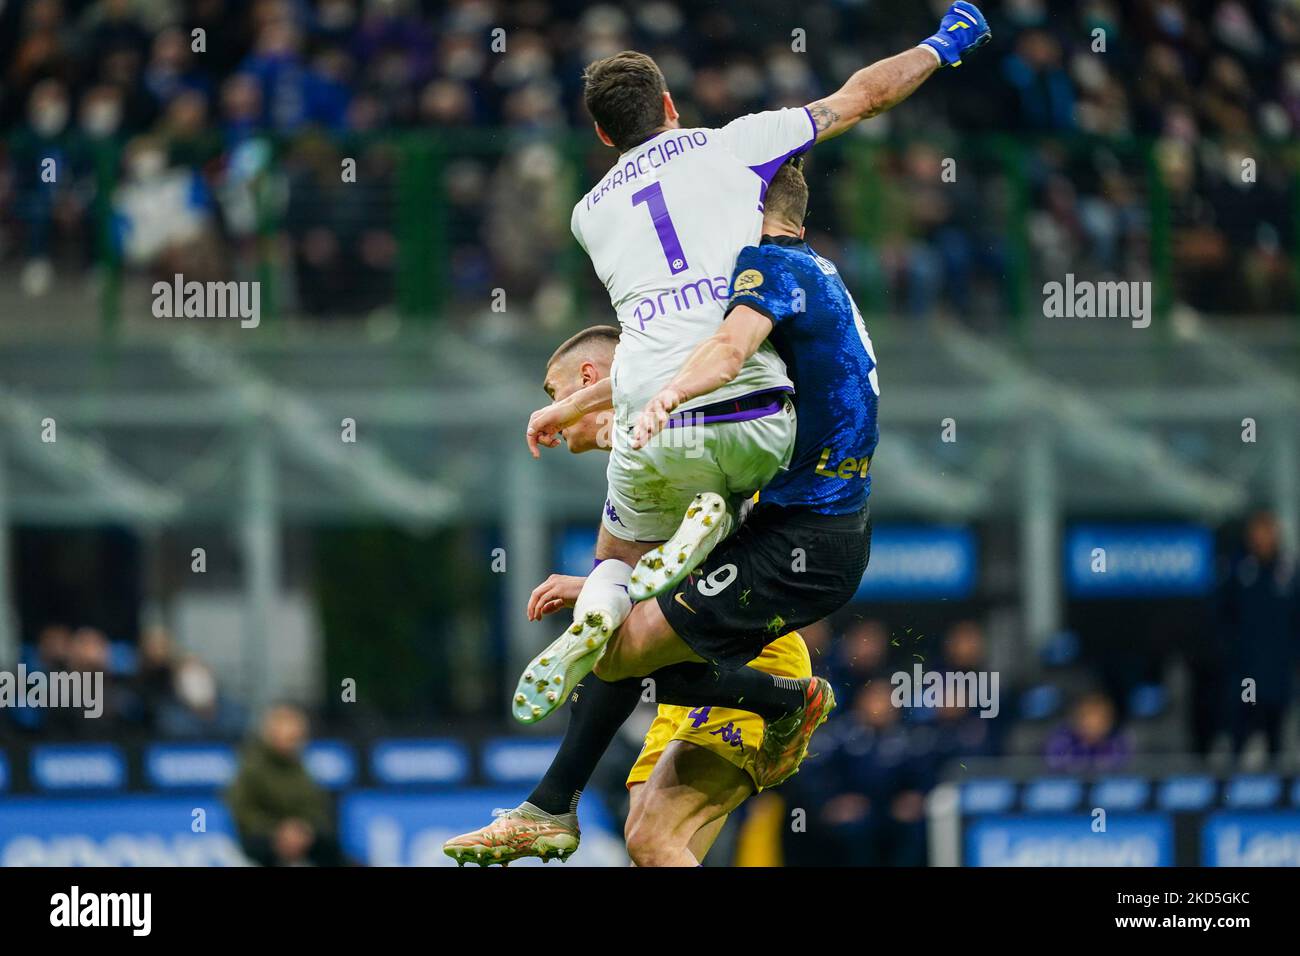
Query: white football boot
[(706, 523), (559, 668)]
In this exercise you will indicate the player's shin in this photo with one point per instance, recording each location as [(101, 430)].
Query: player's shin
[(597, 711)]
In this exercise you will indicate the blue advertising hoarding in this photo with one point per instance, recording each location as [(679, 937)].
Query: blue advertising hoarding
[(332, 763), (116, 831), (419, 762), (189, 766), (1069, 840), (85, 767), (920, 562), (380, 828), (1116, 561), (1251, 839), (512, 760)]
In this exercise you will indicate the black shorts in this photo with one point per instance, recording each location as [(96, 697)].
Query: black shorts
[(783, 569)]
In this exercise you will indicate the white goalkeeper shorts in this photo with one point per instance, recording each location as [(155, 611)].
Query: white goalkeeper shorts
[(731, 455)]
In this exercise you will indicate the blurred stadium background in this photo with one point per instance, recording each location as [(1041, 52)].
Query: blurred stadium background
[(421, 300)]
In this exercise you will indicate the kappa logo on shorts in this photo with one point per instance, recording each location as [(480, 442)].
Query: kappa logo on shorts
[(611, 513), (730, 733)]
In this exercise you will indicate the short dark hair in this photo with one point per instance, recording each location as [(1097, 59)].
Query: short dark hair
[(596, 333), (624, 94), (787, 195)]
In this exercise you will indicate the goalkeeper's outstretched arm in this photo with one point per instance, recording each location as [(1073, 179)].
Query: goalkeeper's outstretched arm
[(886, 83), (872, 90)]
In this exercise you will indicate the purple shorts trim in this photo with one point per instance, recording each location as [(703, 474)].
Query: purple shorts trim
[(743, 409)]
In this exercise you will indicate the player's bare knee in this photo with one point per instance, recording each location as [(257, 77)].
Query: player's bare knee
[(648, 844)]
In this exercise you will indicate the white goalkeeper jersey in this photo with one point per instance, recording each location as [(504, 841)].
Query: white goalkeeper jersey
[(663, 229)]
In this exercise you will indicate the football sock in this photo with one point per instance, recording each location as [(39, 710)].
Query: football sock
[(594, 719), (741, 688), (605, 590)]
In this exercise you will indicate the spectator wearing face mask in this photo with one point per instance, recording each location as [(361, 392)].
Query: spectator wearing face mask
[(46, 177), (197, 708), (163, 216), (99, 117)]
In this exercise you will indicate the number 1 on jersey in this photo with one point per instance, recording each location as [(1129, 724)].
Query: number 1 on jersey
[(653, 197)]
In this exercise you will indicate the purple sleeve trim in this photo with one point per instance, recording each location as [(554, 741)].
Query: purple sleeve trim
[(814, 127), (765, 171)]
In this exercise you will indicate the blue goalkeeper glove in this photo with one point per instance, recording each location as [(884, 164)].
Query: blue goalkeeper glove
[(963, 28)]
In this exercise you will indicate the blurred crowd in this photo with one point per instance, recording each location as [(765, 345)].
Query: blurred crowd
[(875, 761), (227, 143), (151, 689)]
